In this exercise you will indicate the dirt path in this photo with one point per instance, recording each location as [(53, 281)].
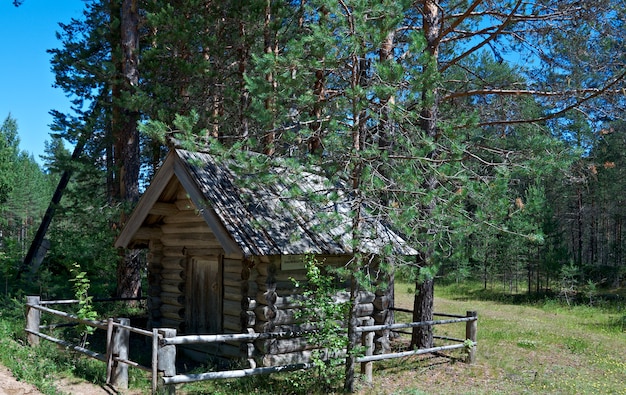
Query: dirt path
[(10, 386)]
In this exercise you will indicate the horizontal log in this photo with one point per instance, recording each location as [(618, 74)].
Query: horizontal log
[(364, 309), (146, 233), (170, 315), (172, 287), (232, 307), (177, 310), (184, 217), (173, 274), (282, 346), (204, 352), (277, 317), (173, 263), (232, 277), (233, 261), (192, 240), (286, 359), (163, 209), (186, 228), (232, 266), (181, 251), (234, 297), (185, 205), (230, 282), (280, 302), (232, 323), (175, 299)]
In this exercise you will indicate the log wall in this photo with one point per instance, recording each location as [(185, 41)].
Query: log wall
[(277, 301)]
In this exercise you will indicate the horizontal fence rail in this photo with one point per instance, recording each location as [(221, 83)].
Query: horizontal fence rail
[(165, 341), (117, 344)]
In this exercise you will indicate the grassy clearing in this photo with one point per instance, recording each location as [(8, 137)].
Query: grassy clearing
[(534, 347), (524, 347)]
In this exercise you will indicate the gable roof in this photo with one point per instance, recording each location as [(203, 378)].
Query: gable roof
[(281, 212)]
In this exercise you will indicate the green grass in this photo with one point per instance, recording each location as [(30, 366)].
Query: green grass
[(526, 345)]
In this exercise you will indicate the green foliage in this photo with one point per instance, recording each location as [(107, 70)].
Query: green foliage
[(9, 143), (328, 316), (85, 306)]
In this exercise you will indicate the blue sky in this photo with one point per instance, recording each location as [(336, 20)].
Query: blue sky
[(25, 76)]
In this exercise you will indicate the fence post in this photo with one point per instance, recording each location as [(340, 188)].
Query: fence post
[(155, 360), (33, 318), (368, 343), (167, 359), (471, 328), (119, 348)]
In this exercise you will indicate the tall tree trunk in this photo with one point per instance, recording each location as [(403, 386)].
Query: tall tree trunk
[(385, 138), (126, 136), (422, 337), (359, 129)]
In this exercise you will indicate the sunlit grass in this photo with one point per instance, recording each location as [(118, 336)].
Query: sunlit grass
[(530, 345)]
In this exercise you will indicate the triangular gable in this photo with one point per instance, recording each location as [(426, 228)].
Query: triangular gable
[(173, 167)]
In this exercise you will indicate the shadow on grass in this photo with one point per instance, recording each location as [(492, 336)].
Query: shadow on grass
[(610, 299)]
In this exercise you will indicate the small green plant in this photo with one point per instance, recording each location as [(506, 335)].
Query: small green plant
[(85, 310), (525, 343), (590, 290), (321, 307), (568, 281)]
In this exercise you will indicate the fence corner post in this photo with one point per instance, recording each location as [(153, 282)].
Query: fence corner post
[(471, 329), (119, 349), (166, 362), (33, 318), (368, 343)]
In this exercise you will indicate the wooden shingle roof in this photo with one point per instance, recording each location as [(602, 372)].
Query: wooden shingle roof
[(280, 211)]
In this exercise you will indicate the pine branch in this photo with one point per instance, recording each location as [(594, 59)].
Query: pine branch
[(490, 38)]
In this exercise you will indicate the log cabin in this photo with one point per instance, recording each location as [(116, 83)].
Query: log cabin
[(225, 242)]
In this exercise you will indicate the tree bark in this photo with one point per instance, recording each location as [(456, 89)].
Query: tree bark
[(424, 287), (126, 136), (422, 337)]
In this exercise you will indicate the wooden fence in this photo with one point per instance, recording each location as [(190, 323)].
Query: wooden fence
[(165, 340)]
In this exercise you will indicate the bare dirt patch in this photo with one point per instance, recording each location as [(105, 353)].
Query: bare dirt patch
[(9, 385)]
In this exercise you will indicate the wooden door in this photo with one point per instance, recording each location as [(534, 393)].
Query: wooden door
[(203, 313)]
